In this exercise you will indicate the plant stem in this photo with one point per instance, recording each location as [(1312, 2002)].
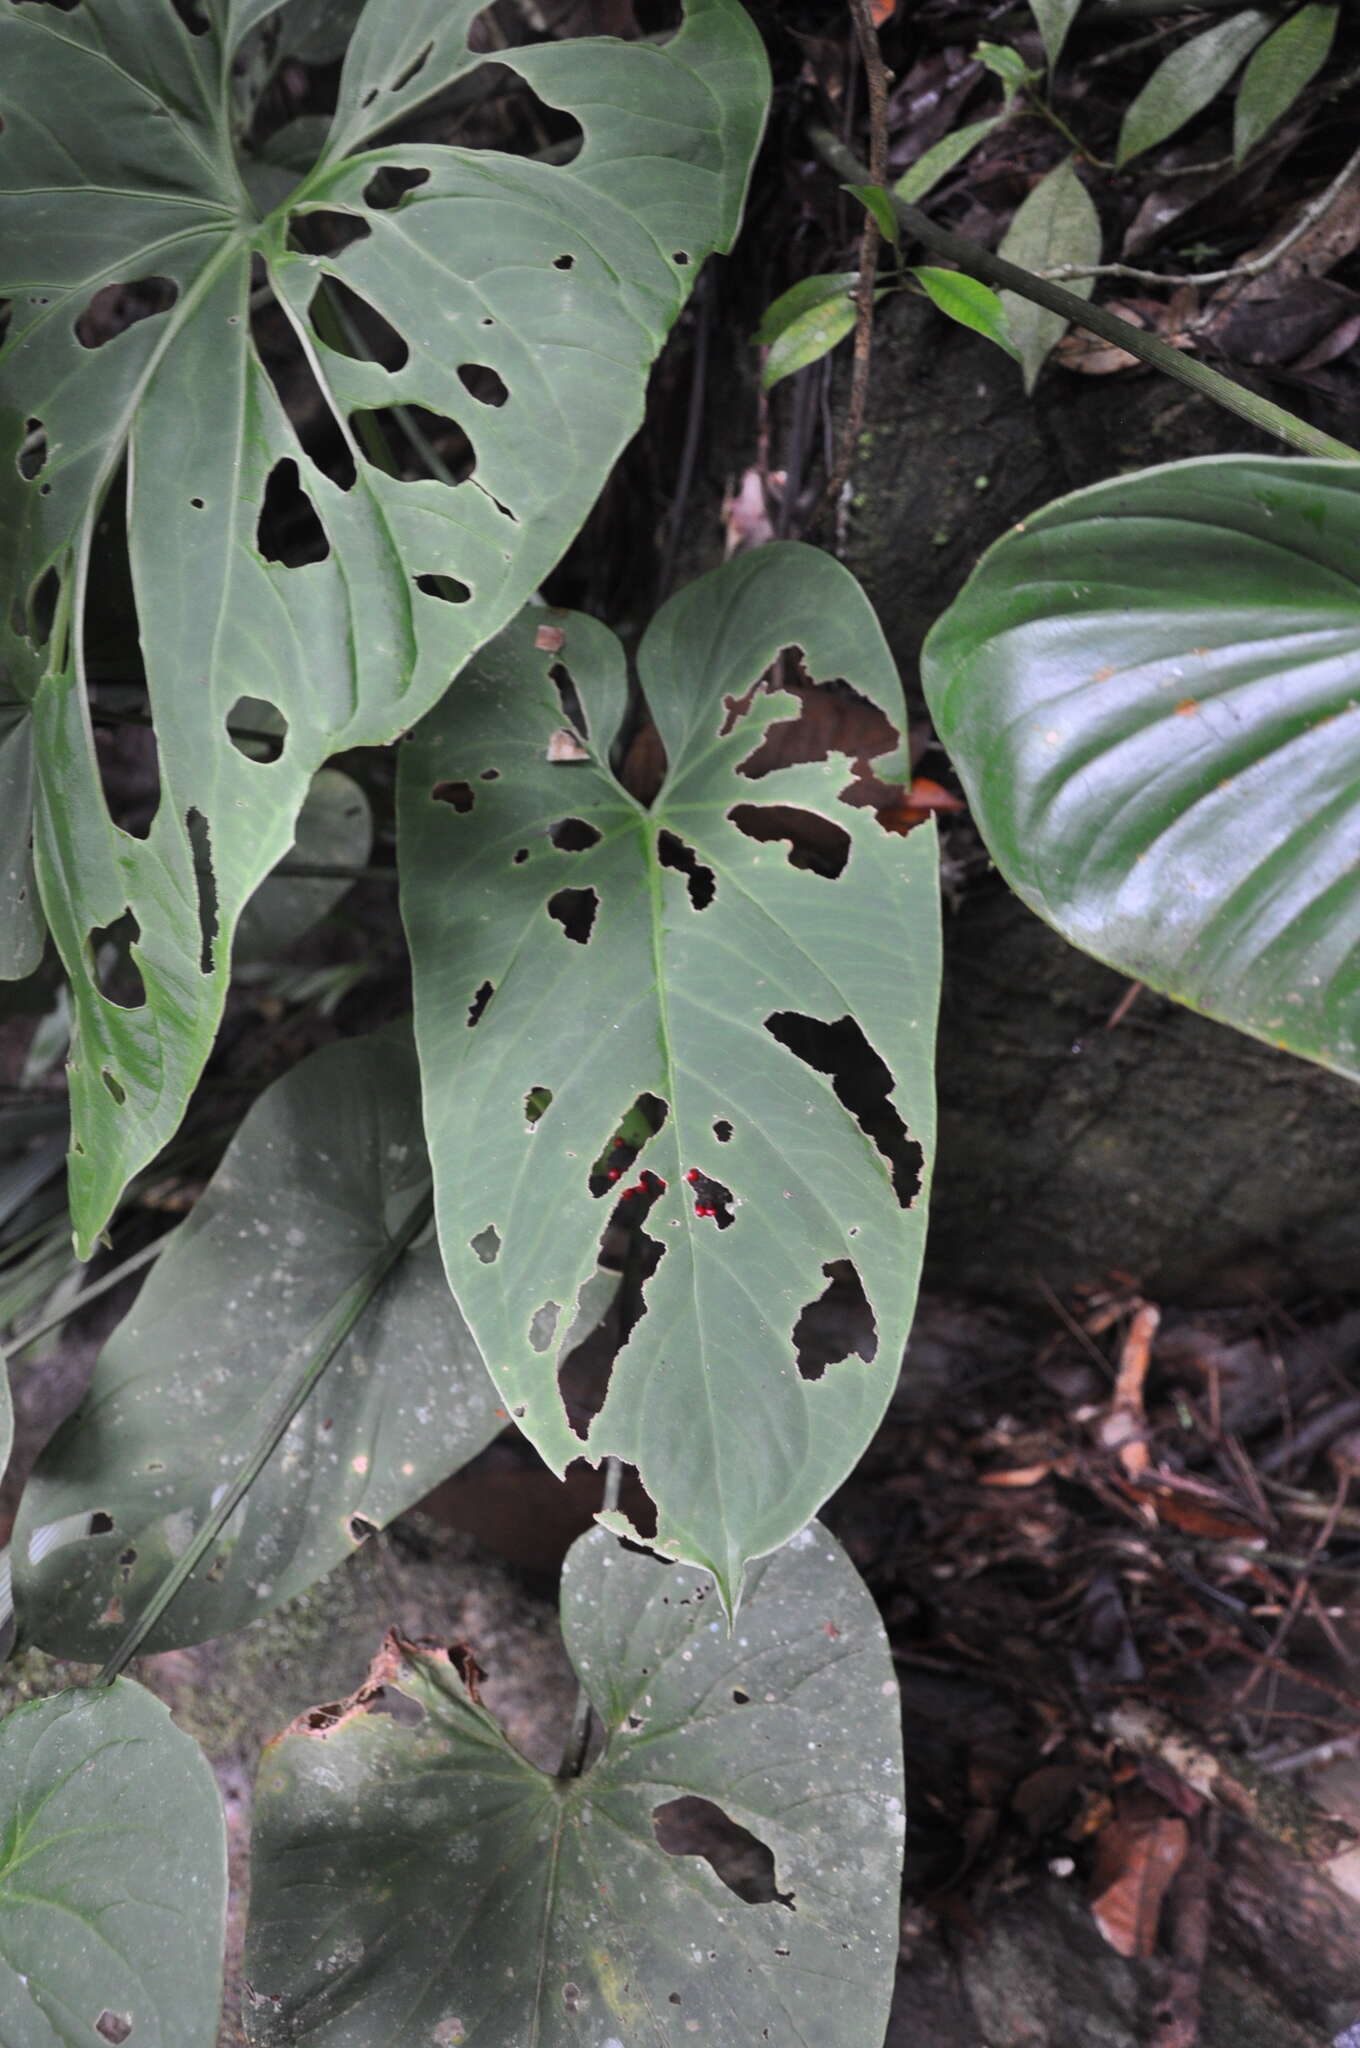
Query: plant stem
[(876, 78), (319, 1350), (975, 261)]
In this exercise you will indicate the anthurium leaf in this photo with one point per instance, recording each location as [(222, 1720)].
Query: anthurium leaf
[(1056, 223), (513, 308), (334, 830), (21, 920), (1278, 71), (1150, 692), (113, 1876), (1184, 82), (569, 942), (1054, 17), (323, 1170), (966, 300), (452, 1893), (940, 159)]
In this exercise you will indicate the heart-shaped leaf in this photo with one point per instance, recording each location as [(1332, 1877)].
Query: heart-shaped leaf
[(501, 311), (579, 955), (427, 1884), (1152, 692), (113, 1876), (299, 1219)]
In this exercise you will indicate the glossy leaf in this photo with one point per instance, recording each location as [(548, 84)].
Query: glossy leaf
[(876, 200), (1054, 17), (516, 305), (972, 304), (805, 323), (325, 1168), (1279, 70), (937, 162), (663, 953), (1150, 691), (1056, 223), (427, 1884), (1184, 82), (113, 1876), (334, 829)]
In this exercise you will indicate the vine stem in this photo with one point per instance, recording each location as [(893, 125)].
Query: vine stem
[(320, 1350), (975, 261), (876, 78)]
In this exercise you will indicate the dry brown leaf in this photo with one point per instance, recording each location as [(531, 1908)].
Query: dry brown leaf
[(1147, 1855)]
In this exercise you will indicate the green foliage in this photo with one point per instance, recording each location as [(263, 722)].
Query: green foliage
[(1054, 17), (452, 1893), (567, 938), (113, 1876), (299, 1220), (1055, 223), (552, 287), (939, 160), (1184, 82), (972, 304), (1279, 69), (1150, 693), (805, 323)]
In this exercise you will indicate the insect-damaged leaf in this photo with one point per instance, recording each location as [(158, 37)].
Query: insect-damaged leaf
[(501, 311), (453, 1894), (577, 953), (113, 1876), (301, 1212), (1151, 693)]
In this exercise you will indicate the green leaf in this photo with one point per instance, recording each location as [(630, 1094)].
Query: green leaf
[(876, 200), (325, 1167), (552, 286), (22, 928), (1054, 17), (970, 303), (453, 1894), (1278, 71), (113, 1876), (927, 171), (1185, 82), (334, 829), (1009, 66), (1056, 223), (1150, 692), (806, 322), (704, 945)]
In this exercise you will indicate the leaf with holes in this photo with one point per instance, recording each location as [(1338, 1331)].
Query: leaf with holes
[(459, 1896), (113, 1876), (577, 952), (467, 336), (1151, 691), (298, 1221)]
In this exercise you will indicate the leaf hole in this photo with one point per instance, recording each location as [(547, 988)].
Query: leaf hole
[(192, 15), (575, 910), (675, 1999), (477, 1006), (566, 261), (740, 1698), (543, 1325), (413, 69), (299, 392), (360, 331), (360, 1529), (288, 529), (205, 883), (831, 718), (839, 1324), (32, 456), (815, 844), (486, 1244), (333, 231), (411, 431), (573, 835), (633, 1131), (672, 852), (392, 184), (559, 675), (483, 383), (536, 1104), (43, 599), (862, 1084), (691, 1826), (257, 729), (116, 307), (460, 796), (128, 763), (114, 971), (114, 2026), (114, 1085), (448, 589), (681, 257), (101, 1524), (722, 1130)]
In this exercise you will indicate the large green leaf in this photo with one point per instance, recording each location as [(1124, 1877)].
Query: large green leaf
[(427, 1884), (113, 1876), (302, 1213), (741, 993), (1152, 692), (524, 302)]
